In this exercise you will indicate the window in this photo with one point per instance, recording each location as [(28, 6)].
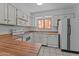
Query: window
[(41, 23), (44, 23)]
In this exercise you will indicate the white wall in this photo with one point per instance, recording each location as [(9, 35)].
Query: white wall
[(53, 13), (76, 9), (6, 29)]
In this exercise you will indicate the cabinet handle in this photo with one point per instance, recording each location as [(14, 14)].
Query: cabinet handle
[(8, 20), (5, 19)]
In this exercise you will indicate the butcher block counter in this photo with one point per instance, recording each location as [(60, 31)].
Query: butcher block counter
[(53, 33), (48, 32), (12, 47)]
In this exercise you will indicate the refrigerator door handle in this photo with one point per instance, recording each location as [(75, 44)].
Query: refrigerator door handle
[(70, 29)]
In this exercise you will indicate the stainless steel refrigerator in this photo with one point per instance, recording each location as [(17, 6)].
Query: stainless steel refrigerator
[(69, 38)]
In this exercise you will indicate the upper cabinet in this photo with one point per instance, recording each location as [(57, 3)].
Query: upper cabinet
[(1, 13), (11, 15), (30, 21), (22, 19), (25, 17), (20, 14), (3, 18), (21, 22), (7, 14)]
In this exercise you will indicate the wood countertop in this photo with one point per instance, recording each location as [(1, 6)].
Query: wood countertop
[(42, 31), (13, 47), (53, 33), (48, 32)]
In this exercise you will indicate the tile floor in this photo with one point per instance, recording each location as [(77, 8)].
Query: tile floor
[(48, 51)]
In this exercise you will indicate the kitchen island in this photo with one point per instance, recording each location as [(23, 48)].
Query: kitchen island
[(12, 47)]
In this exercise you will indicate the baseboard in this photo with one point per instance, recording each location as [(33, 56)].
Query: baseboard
[(49, 46), (45, 45), (77, 52)]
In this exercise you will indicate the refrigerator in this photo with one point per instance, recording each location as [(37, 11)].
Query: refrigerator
[(69, 37)]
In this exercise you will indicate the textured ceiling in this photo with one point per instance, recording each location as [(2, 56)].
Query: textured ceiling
[(33, 7)]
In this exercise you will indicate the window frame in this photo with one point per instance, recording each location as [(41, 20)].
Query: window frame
[(44, 26)]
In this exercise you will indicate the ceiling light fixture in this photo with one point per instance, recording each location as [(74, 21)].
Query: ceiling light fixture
[(39, 3)]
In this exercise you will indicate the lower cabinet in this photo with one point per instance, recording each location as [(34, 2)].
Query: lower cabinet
[(43, 38), (39, 37), (52, 40), (28, 37), (36, 38)]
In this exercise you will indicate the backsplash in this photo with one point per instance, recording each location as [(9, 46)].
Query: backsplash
[(7, 29), (54, 28)]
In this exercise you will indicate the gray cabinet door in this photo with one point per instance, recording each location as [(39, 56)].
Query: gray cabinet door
[(5, 13), (2, 13), (36, 37), (40, 37), (53, 40), (20, 14), (43, 39), (11, 15)]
